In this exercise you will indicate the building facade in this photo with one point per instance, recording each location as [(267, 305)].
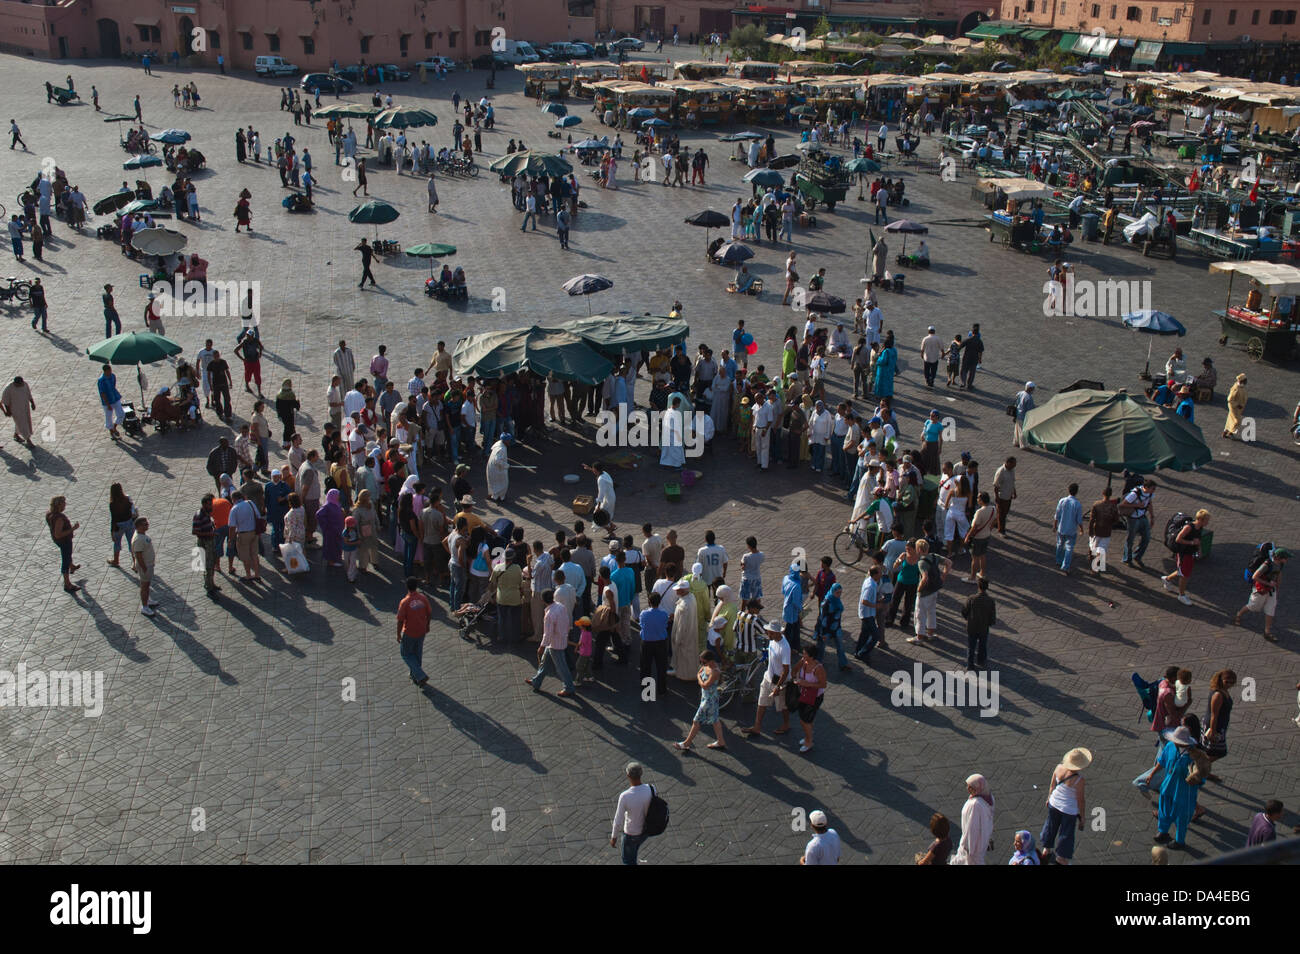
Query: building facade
[(313, 34)]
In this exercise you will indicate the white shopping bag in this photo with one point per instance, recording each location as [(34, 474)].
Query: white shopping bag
[(295, 561)]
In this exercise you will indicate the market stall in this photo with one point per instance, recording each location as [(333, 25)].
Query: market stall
[(1266, 323)]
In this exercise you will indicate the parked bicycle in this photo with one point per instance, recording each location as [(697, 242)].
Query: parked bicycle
[(16, 288), (741, 680), (850, 545)]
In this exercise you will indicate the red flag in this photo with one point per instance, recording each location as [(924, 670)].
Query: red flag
[(1254, 191), (1194, 182), (644, 75)]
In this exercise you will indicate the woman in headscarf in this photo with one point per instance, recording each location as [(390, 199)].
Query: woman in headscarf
[(703, 606), (726, 609), (408, 525), (498, 469), (1177, 795), (789, 359), (295, 522), (1236, 407), (976, 823), (1024, 853), (720, 408), (829, 624), (368, 527), (805, 448), (286, 403), (886, 365), (329, 518), (685, 632)]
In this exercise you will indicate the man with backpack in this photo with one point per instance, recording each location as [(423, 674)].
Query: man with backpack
[(1264, 572), (1183, 537), (632, 814), (1137, 509)]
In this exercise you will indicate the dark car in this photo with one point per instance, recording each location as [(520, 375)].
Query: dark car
[(325, 83), (582, 51), (350, 73), (485, 61)]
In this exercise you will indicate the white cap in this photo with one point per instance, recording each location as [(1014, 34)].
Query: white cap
[(719, 622), (818, 819), (1029, 385)]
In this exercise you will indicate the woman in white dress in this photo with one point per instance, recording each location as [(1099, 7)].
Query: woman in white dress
[(976, 823), (498, 469)]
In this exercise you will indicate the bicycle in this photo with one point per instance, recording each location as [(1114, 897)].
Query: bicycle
[(741, 679), (850, 546), (19, 289)]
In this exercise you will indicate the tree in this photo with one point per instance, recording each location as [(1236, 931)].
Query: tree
[(822, 27), (748, 43)]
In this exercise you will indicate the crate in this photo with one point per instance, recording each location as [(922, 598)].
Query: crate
[(673, 492), (583, 505)]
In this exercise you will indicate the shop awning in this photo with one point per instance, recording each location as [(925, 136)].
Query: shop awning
[(1185, 49), (1104, 46), (992, 30), (146, 21), (1148, 51), (1034, 34), (1067, 42)]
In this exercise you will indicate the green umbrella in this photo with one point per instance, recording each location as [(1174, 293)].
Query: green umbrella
[(374, 212), (405, 117), (540, 350), (861, 164), (431, 250), (531, 163), (1113, 431), (113, 202), (158, 241), (133, 347)]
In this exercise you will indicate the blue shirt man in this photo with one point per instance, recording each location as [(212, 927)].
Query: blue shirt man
[(1067, 524), (1186, 409), (108, 393), (654, 625)]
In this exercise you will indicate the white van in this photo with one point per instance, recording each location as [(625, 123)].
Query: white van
[(518, 51), (273, 66)]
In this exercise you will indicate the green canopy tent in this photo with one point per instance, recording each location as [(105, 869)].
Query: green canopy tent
[(616, 336), (1113, 431), (543, 351), (531, 163), (351, 110)]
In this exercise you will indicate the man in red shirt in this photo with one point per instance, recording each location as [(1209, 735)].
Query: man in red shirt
[(412, 624)]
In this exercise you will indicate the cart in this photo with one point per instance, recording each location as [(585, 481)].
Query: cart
[(1020, 234), (1267, 323), (1163, 238), (64, 96), (816, 183)]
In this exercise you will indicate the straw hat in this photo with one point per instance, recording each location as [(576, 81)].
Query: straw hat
[(1077, 759)]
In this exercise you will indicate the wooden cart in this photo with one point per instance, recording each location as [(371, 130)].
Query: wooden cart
[(1267, 322)]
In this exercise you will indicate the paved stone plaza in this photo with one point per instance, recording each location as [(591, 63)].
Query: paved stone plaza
[(235, 707)]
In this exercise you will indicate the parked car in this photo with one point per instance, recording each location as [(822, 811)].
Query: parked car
[(485, 61), (350, 73), (438, 62), (627, 43), (273, 66), (389, 72), (325, 83), (583, 51)]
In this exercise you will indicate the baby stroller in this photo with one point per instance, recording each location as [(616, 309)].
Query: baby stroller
[(472, 615)]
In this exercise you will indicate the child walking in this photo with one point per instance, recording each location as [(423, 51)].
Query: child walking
[(351, 543), (586, 646)]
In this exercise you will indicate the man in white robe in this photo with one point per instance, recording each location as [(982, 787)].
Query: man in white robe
[(498, 469), (685, 633), (672, 438)]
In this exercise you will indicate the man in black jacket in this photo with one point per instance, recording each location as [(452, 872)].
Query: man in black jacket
[(980, 614), (222, 460)]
